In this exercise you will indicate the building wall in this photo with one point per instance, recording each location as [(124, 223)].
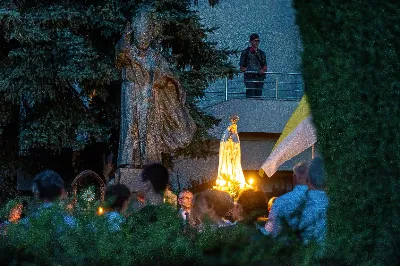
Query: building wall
[(274, 21)]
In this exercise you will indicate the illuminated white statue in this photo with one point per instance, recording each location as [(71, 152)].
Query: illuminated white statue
[(230, 173)]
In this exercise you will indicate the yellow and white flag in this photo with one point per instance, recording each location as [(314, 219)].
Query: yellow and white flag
[(298, 135)]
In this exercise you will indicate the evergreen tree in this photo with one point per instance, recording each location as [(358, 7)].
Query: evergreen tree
[(351, 72), (58, 83)]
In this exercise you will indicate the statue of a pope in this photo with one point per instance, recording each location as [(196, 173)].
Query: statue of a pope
[(154, 119)]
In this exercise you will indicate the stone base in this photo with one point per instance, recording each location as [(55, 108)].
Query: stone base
[(129, 177)]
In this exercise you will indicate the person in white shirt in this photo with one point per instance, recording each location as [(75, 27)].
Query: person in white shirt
[(185, 201)]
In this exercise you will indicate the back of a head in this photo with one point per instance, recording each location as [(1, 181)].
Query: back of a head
[(158, 176), (251, 201), (271, 203), (213, 204), (254, 36), (316, 173), (300, 172), (48, 184), (116, 196), (221, 200)]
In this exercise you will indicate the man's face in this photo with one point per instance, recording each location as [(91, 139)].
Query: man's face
[(255, 43), (185, 200)]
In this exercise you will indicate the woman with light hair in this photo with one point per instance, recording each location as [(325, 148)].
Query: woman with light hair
[(271, 203), (211, 206)]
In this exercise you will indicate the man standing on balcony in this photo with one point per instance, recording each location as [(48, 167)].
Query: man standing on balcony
[(253, 60)]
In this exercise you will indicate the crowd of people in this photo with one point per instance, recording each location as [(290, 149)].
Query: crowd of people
[(303, 209)]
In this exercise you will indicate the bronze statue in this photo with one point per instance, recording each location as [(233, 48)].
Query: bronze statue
[(154, 118)]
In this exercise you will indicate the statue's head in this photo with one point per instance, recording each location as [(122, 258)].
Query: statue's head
[(144, 26), (234, 118)]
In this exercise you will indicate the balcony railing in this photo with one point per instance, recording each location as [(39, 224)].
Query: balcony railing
[(277, 86)]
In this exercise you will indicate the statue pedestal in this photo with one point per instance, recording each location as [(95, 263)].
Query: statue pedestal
[(130, 177)]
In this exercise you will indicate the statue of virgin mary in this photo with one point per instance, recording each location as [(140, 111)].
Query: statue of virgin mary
[(230, 173)]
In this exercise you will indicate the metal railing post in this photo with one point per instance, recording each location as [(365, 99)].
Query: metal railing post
[(276, 88), (226, 88), (312, 152)]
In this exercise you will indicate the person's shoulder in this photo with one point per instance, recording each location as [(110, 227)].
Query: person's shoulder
[(302, 189), (286, 196), (318, 195), (295, 194), (280, 202)]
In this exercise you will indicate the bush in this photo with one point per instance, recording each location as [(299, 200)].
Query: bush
[(152, 236), (351, 72)]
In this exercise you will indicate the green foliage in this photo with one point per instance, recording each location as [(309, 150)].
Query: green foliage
[(351, 72), (152, 236), (47, 48)]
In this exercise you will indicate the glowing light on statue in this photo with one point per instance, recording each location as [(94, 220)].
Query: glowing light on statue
[(230, 174)]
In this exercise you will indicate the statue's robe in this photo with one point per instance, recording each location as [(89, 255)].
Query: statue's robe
[(154, 118), (230, 165)]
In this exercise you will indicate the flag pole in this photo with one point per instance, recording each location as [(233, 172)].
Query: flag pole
[(312, 152)]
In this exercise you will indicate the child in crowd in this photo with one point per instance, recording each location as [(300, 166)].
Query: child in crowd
[(117, 199)]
